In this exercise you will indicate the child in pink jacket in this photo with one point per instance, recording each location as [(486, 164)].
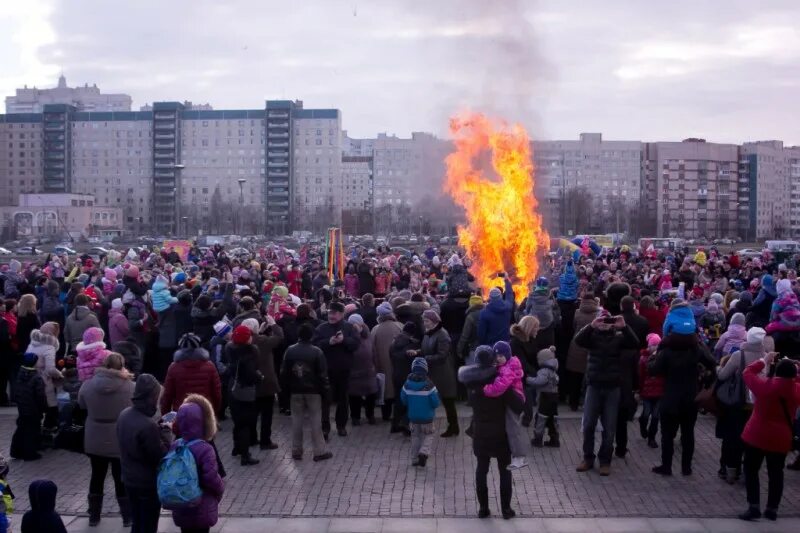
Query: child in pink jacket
[(509, 375)]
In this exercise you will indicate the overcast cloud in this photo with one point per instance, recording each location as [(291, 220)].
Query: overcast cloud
[(726, 70)]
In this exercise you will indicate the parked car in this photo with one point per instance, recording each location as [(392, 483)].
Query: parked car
[(97, 251), (5, 251), (61, 250), (749, 252), (28, 250)]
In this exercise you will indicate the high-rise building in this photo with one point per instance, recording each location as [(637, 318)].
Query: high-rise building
[(793, 153), (765, 188), (696, 186), (84, 98), (589, 185)]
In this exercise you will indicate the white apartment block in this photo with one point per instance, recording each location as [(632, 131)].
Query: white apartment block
[(20, 157), (793, 153), (611, 172), (84, 98), (765, 189), (357, 183)]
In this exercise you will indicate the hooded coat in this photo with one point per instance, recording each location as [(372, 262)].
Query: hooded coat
[(190, 425), (576, 355), (78, 321), (543, 306), (420, 396), (435, 349), (568, 284), (680, 319), (142, 444), (104, 397), (42, 516), (161, 296), (267, 344), (117, 326), (768, 428), (52, 309), (45, 347), (190, 372), (731, 340), (494, 320), (90, 357), (362, 380), (468, 340), (677, 359)]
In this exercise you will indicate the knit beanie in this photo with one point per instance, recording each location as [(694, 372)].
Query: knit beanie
[(475, 299), (502, 348), (653, 340), (251, 324), (545, 355), (178, 278), (717, 297), (495, 294), (432, 315), (783, 286), (222, 328), (756, 335), (738, 319), (484, 356), (189, 341), (93, 335), (355, 318), (29, 359), (281, 291), (241, 335), (419, 365), (542, 284), (110, 274), (384, 309), (116, 303), (50, 328)]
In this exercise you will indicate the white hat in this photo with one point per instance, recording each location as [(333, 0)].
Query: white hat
[(756, 335)]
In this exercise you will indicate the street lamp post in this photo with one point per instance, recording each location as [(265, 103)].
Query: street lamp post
[(241, 181), (177, 167), (185, 226)]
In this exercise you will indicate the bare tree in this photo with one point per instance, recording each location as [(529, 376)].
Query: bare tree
[(577, 211)]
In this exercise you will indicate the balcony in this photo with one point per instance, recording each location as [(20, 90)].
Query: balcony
[(54, 126), (277, 174), (165, 193), (278, 145), (159, 164), (278, 164), (277, 204), (164, 173), (277, 124), (170, 136), (164, 185), (54, 137), (164, 115), (278, 114), (277, 135), (53, 174), (159, 145), (277, 184), (54, 146), (54, 155), (284, 153), (164, 126), (55, 166)]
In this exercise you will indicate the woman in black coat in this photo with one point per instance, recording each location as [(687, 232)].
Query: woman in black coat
[(489, 438)]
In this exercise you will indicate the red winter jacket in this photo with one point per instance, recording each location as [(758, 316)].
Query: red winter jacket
[(650, 387), (655, 319), (768, 428), (191, 372)]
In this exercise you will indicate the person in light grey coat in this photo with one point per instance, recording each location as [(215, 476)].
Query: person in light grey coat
[(104, 396), (79, 320)]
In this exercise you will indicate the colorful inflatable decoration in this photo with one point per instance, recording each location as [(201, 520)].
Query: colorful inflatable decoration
[(334, 254)]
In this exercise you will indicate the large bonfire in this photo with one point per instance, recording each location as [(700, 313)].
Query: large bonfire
[(503, 232)]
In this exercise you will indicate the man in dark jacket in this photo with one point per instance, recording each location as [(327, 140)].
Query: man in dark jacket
[(495, 319), (453, 312), (368, 311), (142, 445), (247, 309), (605, 338), (304, 376), (338, 340), (31, 405)]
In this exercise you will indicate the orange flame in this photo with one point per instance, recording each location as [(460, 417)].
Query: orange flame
[(504, 231)]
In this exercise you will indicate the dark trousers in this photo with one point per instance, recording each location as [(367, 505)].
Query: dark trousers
[(244, 416), (451, 413), (648, 420), (368, 402), (753, 457), (621, 437), (338, 380), (226, 397), (602, 403), (195, 529), (264, 407), (100, 466), (670, 422), (27, 438), (145, 509), (732, 448), (165, 356), (574, 389), (51, 417), (399, 413), (386, 409), (482, 489), (5, 382)]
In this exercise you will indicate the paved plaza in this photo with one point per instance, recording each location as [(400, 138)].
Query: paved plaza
[(370, 478)]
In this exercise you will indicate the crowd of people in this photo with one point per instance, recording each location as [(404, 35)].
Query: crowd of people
[(92, 351)]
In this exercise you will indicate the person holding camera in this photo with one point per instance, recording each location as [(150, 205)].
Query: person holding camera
[(605, 338), (769, 431)]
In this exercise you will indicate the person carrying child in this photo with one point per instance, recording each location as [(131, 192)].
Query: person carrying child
[(509, 375), (546, 384), (421, 398)]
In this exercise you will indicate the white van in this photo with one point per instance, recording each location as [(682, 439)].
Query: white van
[(782, 246)]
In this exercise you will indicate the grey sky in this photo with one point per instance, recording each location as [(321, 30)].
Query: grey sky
[(726, 70)]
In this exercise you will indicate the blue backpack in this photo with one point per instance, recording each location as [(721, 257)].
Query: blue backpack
[(178, 483)]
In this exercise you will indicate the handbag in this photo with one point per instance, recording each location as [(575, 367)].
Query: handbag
[(706, 400), (795, 435), (242, 393), (731, 392)]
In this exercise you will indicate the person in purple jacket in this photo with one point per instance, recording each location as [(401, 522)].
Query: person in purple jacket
[(196, 420)]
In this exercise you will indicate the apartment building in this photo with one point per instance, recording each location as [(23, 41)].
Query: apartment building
[(86, 98), (794, 188), (21, 156), (604, 175), (696, 185), (765, 188)]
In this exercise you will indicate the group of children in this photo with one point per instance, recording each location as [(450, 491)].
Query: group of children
[(42, 516), (503, 371)]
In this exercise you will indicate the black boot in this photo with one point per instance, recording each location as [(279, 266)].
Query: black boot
[(248, 460), (125, 510), (483, 502), (95, 508), (450, 432), (752, 513)]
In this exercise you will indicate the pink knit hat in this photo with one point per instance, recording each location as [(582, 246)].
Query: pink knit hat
[(92, 335), (110, 274), (653, 340)]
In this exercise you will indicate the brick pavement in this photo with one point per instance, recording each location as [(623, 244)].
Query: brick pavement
[(370, 476)]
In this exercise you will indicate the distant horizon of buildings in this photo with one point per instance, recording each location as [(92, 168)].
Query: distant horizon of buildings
[(177, 167)]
